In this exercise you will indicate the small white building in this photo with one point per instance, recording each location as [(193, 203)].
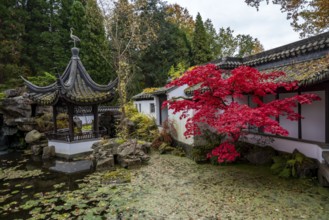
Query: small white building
[(151, 104), (144, 103)]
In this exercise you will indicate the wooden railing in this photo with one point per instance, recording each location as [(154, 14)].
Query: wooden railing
[(81, 110), (63, 135), (102, 109)]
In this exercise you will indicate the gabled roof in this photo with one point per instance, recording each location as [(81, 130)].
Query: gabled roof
[(74, 86), (317, 45), (143, 96), (306, 61), (306, 73), (150, 95), (228, 62), (163, 90)]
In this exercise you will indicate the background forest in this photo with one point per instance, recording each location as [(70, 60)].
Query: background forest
[(142, 41)]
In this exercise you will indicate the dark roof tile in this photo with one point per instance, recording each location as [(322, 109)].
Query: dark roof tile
[(74, 86)]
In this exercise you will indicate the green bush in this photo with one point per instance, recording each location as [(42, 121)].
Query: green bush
[(287, 165), (145, 127), (62, 120), (44, 122), (164, 136), (199, 153)]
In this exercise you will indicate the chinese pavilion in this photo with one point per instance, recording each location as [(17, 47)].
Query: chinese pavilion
[(74, 90)]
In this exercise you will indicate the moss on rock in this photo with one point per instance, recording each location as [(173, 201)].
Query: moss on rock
[(117, 176)]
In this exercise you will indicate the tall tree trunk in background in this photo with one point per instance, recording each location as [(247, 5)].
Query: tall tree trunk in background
[(129, 33), (123, 74)]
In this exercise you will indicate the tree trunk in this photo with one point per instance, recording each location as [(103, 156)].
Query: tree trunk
[(123, 72)]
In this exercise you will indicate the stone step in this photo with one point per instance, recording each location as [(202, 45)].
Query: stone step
[(325, 155)]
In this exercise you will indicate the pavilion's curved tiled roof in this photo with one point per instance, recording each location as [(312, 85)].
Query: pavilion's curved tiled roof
[(74, 86)]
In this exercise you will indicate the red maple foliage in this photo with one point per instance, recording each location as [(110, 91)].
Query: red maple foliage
[(216, 101), (225, 152)]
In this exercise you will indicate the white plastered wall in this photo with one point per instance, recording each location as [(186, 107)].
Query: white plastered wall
[(308, 149), (86, 119), (313, 124), (178, 123), (312, 127), (267, 99), (290, 126), (146, 107), (68, 149)]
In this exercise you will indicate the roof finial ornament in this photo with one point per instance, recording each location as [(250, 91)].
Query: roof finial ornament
[(73, 37)]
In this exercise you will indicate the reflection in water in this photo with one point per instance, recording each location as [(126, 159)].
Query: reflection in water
[(22, 177), (72, 167), (3, 139), (168, 187)]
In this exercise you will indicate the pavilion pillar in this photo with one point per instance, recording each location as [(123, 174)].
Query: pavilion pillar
[(55, 118), (96, 121), (70, 109)]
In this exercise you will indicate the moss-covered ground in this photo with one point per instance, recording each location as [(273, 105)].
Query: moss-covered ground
[(169, 187)]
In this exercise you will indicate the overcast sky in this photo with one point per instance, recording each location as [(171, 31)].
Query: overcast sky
[(268, 24)]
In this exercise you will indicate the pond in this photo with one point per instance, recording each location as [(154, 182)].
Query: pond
[(168, 187)]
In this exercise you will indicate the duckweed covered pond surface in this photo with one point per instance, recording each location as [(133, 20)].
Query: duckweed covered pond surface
[(169, 187)]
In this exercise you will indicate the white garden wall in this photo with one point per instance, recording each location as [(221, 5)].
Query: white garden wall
[(311, 150), (290, 126), (178, 123), (267, 99), (312, 129), (86, 119), (313, 124)]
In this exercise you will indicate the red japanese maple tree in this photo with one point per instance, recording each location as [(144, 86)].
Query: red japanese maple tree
[(216, 102)]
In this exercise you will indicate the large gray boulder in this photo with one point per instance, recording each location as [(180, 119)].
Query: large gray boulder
[(48, 152), (7, 131), (103, 154), (261, 155), (109, 146), (14, 92), (132, 153), (130, 162), (105, 163), (16, 107), (129, 154), (25, 124), (37, 149), (33, 136)]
